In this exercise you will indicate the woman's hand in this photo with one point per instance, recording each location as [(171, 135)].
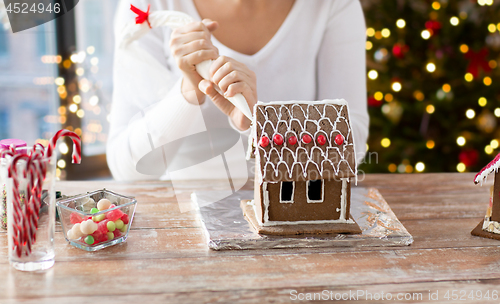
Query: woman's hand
[(191, 45), (228, 78)]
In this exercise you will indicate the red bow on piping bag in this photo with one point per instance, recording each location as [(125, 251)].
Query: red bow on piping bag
[(141, 16)]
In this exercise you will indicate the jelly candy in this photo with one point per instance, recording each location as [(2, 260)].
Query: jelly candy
[(111, 226), (117, 233), (71, 236), (76, 231), (102, 226), (88, 227), (114, 215), (75, 218), (94, 210), (119, 224), (98, 218), (100, 237), (124, 218), (103, 204), (89, 239), (124, 228)]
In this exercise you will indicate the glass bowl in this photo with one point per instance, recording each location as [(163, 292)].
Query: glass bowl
[(97, 219)]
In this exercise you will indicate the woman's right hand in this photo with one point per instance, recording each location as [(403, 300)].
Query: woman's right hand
[(190, 45)]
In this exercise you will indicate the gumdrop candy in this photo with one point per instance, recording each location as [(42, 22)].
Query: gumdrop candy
[(114, 215), (124, 218), (75, 218)]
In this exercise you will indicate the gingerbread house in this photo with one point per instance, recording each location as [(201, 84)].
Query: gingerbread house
[(490, 226), (305, 165)]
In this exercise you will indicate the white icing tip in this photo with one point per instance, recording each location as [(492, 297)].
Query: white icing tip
[(240, 102)]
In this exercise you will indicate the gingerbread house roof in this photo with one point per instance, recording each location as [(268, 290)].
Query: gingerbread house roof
[(492, 166), (299, 141)]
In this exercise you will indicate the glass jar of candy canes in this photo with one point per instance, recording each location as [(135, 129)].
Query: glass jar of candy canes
[(30, 209), (30, 179)]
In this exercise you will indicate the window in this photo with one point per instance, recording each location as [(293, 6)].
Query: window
[(28, 97), (4, 124), (286, 195), (315, 191), (41, 40), (95, 44), (4, 42)]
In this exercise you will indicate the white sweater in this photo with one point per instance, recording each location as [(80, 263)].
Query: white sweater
[(318, 53)]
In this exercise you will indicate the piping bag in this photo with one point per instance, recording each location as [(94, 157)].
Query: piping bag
[(145, 21)]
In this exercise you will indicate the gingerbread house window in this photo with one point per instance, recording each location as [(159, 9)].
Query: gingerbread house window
[(315, 191), (286, 195)]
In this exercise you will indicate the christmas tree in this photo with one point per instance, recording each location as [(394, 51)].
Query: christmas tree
[(433, 84)]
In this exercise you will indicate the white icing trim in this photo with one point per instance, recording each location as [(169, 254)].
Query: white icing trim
[(314, 102), (310, 201), (353, 147), (265, 198), (491, 226), (250, 144), (267, 155), (343, 198), (482, 176), (293, 192)]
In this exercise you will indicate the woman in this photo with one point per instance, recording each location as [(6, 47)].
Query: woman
[(266, 50)]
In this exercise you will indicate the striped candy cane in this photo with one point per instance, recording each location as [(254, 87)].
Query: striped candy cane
[(77, 147), (35, 167), (37, 173), (18, 217)]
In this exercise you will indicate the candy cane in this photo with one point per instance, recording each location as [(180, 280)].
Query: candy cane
[(77, 148), (37, 174), (41, 148), (36, 171), (18, 219), (5, 153)]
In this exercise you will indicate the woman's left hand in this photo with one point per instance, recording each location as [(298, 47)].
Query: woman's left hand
[(231, 77)]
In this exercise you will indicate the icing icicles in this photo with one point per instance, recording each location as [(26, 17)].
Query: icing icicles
[(492, 166), (306, 137)]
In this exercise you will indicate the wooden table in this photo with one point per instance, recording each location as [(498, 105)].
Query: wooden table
[(166, 259)]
